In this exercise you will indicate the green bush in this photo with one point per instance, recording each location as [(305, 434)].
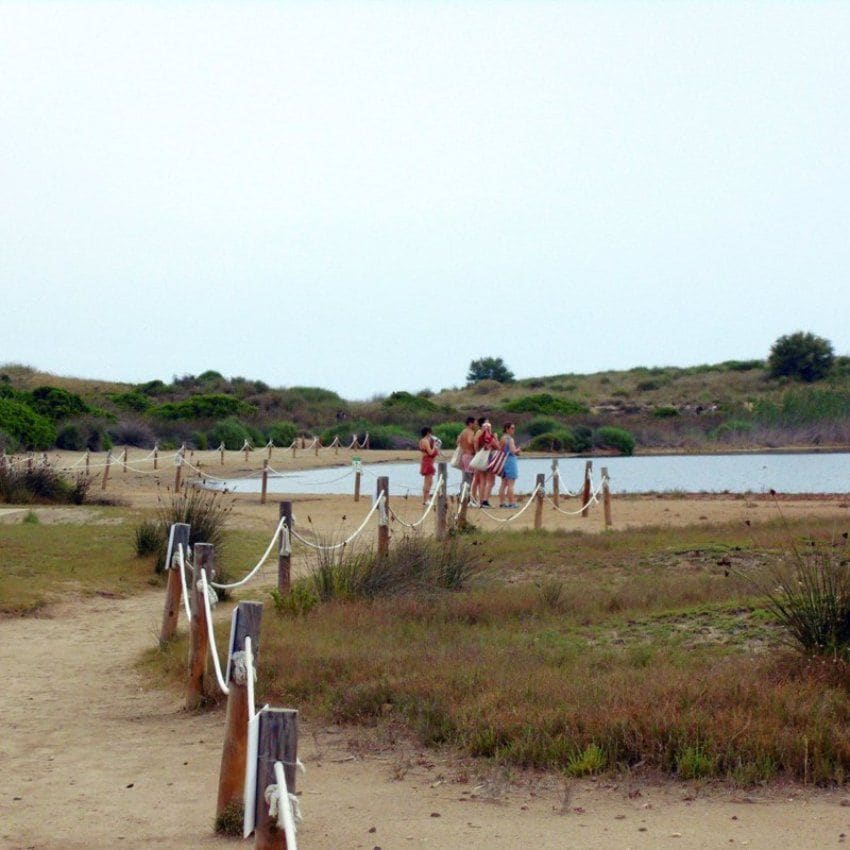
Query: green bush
[(133, 400), (82, 434), (283, 433), (212, 406), (42, 484), (733, 426), (665, 412), (448, 432), (561, 440), (615, 438), (542, 425), (801, 355), (231, 431), (29, 429), (406, 400), (546, 404), (200, 441), (55, 403)]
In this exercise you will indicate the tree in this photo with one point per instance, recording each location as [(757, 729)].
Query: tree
[(489, 368), (801, 355)]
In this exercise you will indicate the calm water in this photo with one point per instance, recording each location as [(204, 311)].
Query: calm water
[(785, 473)]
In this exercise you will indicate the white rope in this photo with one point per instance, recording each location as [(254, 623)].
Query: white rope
[(430, 505), (593, 499), (181, 564), (327, 547), (556, 473), (519, 513), (211, 632), (280, 803), (259, 564), (170, 548), (463, 491)]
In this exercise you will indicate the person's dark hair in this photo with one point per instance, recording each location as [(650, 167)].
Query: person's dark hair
[(470, 420), (481, 420), (426, 431), (507, 425)]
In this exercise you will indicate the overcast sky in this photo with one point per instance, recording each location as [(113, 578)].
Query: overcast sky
[(366, 196)]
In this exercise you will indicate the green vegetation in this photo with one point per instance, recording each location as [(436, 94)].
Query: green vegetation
[(547, 404), (489, 369), (22, 428), (41, 485), (801, 355), (201, 407)]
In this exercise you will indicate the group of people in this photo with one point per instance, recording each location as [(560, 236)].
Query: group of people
[(477, 437)]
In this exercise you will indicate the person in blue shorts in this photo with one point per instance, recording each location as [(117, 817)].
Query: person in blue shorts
[(510, 471)]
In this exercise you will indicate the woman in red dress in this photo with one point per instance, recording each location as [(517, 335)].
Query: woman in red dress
[(429, 449)]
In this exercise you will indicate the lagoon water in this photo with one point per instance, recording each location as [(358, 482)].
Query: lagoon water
[(739, 473)]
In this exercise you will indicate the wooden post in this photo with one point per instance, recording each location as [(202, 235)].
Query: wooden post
[(556, 481), (221, 453), (465, 496), (231, 780), (383, 486), (366, 441), (246, 448), (155, 455), (442, 502), (294, 446), (87, 463), (336, 446), (538, 507), (30, 461), (585, 493), (106, 470), (178, 469), (265, 482), (606, 497), (173, 588), (357, 475), (125, 459), (204, 559), (318, 444), (303, 443), (284, 549), (270, 447), (277, 740)]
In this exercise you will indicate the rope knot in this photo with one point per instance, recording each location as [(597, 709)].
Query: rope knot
[(239, 668)]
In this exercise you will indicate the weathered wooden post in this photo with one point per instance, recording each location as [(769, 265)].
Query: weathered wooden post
[(178, 469), (358, 471), (106, 470), (155, 455), (441, 531), (336, 445), (303, 443), (87, 462), (124, 459), (383, 488), (270, 446), (277, 741), (538, 507), (366, 441), (284, 549), (585, 493), (231, 781), (317, 444), (606, 497), (30, 461), (221, 454), (465, 492), (178, 535), (294, 446), (204, 559), (246, 448), (265, 484), (556, 482)]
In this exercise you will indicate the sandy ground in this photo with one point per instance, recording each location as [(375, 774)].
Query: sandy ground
[(89, 759)]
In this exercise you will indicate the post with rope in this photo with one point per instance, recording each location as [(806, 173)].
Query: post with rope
[(277, 741), (246, 448), (358, 472), (284, 549), (317, 445), (178, 536), (270, 446), (204, 559), (265, 485), (383, 489), (538, 507), (465, 491), (234, 754), (124, 459), (556, 489), (221, 453), (178, 471), (155, 455), (606, 497), (106, 470), (585, 493), (441, 531)]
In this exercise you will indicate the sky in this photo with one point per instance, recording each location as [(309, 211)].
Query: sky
[(366, 196)]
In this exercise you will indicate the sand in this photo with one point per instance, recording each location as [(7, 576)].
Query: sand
[(91, 759)]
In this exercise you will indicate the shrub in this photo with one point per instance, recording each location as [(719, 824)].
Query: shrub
[(615, 438), (132, 432), (283, 433), (82, 434), (55, 403), (200, 441), (665, 412), (541, 425), (547, 404), (148, 538), (133, 400), (801, 355), (231, 431), (29, 429), (732, 427), (42, 484), (561, 440), (742, 365), (486, 387), (448, 432), (406, 400), (211, 406)]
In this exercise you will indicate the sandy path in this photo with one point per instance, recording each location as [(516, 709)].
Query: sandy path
[(91, 760)]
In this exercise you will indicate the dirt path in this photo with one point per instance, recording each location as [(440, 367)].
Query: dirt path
[(88, 759)]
